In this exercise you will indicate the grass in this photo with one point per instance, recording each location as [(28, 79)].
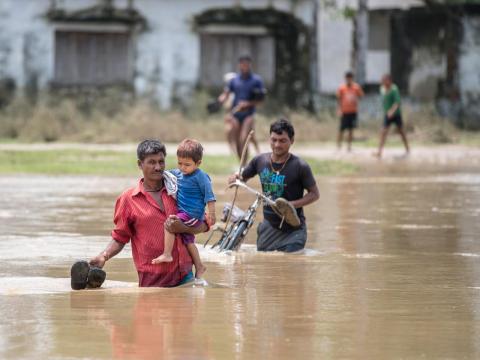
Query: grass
[(118, 163), (112, 119)]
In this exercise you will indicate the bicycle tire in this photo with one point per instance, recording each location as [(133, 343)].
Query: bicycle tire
[(237, 236), (225, 243), (220, 242)]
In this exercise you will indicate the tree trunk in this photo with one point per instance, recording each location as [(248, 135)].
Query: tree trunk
[(361, 42)]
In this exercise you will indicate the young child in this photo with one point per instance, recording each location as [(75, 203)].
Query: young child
[(194, 191)]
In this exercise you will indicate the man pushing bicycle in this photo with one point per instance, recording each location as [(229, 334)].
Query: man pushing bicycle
[(286, 176)]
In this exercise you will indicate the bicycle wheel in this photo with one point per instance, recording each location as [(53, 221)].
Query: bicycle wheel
[(235, 240), (224, 238), (219, 241)]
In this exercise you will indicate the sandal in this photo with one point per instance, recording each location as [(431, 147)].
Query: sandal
[(285, 210), (83, 276), (79, 275), (96, 277)]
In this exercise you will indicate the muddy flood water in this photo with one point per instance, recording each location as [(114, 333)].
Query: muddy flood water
[(391, 271)]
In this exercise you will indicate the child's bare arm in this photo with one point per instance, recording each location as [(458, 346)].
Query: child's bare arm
[(211, 212)]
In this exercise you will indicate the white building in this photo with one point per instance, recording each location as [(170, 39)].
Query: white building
[(158, 48), (166, 49)]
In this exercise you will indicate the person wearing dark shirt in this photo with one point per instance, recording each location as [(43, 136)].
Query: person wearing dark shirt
[(248, 90), (282, 174)]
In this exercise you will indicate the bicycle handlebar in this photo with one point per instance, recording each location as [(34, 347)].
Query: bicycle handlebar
[(245, 186)]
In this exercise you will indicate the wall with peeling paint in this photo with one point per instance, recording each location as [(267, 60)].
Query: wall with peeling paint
[(167, 54), (429, 67), (26, 45), (437, 59), (336, 49), (335, 38)]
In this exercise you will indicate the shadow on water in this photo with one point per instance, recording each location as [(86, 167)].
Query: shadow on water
[(390, 271)]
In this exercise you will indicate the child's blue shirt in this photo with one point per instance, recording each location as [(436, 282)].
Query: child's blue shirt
[(194, 192)]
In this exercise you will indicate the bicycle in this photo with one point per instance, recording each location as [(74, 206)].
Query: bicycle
[(241, 221)]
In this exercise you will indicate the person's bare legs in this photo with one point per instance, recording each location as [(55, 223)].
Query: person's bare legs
[(199, 267), (383, 137), (339, 140), (235, 135), (401, 131), (350, 139), (230, 132), (255, 144), (245, 129), (167, 249)]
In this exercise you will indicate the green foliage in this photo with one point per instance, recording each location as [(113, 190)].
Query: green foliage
[(75, 162), (120, 163), (349, 12)]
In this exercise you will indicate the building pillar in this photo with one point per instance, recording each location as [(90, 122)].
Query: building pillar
[(361, 42)]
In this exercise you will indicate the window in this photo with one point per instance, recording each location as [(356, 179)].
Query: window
[(220, 49), (85, 58)]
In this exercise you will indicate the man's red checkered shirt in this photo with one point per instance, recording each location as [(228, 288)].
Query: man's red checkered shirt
[(139, 218)]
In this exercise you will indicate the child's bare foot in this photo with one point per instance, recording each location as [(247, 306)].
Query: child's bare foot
[(163, 258), (377, 154), (200, 271)]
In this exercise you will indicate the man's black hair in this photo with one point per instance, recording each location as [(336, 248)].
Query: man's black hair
[(349, 74), (245, 58), (150, 147), (281, 125)]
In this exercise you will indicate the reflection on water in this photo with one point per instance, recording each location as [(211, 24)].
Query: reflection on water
[(391, 271)]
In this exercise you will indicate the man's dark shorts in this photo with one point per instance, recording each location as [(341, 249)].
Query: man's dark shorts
[(240, 116), (348, 121), (396, 119), (273, 239)]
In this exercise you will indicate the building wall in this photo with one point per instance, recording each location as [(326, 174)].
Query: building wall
[(419, 53), (26, 45), (168, 60), (167, 55), (336, 50), (428, 69), (335, 39), (378, 54)]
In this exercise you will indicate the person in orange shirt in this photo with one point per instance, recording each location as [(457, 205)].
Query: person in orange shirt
[(348, 95)]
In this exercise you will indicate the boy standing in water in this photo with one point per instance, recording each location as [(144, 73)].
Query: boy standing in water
[(347, 97), (194, 191)]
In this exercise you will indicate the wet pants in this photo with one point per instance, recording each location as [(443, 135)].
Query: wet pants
[(272, 239)]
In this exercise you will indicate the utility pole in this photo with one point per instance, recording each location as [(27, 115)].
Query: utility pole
[(361, 42)]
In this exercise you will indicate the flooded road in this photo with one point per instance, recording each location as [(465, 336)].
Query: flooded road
[(391, 271)]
